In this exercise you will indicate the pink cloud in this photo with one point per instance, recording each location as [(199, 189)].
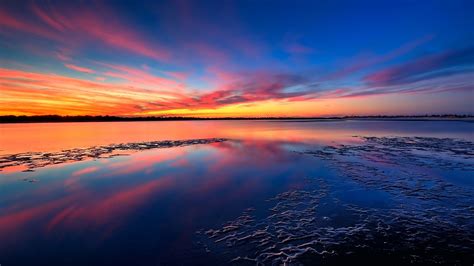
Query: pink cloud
[(82, 25), (141, 77), (105, 29), (54, 22), (79, 69), (176, 75), (15, 23), (209, 53)]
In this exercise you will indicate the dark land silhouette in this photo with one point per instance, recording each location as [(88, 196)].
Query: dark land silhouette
[(107, 118)]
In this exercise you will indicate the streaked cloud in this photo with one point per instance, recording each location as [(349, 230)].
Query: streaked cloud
[(79, 69), (426, 67), (183, 58)]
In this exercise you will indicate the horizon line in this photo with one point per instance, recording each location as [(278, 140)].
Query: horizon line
[(6, 119)]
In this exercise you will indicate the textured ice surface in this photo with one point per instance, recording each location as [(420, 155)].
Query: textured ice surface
[(32, 160), (430, 220)]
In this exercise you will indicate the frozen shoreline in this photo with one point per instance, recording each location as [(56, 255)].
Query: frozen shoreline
[(33, 160), (427, 222)]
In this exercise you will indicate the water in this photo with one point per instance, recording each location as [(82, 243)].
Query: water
[(272, 192)]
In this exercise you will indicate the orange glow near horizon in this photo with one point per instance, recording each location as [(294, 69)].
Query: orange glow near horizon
[(33, 93), (101, 59)]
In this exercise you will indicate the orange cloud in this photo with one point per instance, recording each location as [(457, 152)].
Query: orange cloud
[(37, 93)]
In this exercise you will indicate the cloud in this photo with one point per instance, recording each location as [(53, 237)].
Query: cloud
[(200, 37), (143, 78), (35, 93), (25, 92), (11, 22), (104, 28), (363, 62), (78, 26), (144, 90), (247, 88), (79, 69), (426, 67)]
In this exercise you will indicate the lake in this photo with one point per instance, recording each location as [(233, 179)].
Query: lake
[(237, 192)]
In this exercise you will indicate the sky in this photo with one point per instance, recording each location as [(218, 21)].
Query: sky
[(236, 58)]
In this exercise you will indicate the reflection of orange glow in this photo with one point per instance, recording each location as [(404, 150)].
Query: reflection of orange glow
[(218, 168), (180, 162), (110, 207), (143, 161), (85, 171), (72, 182), (57, 136), (13, 169), (132, 96)]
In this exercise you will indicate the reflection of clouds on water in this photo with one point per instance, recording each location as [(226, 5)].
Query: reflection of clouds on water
[(83, 209), (103, 194), (368, 197), (33, 160), (429, 219)]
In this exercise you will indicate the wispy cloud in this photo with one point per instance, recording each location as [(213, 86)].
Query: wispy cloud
[(363, 62), (73, 27), (175, 57), (142, 92), (426, 67), (79, 69)]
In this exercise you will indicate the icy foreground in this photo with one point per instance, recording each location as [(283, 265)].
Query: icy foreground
[(33, 160), (430, 219)]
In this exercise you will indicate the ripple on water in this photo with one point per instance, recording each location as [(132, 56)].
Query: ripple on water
[(430, 222)]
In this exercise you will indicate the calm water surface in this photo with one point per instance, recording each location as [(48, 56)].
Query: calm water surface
[(156, 207)]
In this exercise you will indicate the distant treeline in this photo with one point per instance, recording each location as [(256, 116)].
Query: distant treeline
[(106, 118)]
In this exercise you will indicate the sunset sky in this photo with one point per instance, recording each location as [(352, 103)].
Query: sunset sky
[(236, 58)]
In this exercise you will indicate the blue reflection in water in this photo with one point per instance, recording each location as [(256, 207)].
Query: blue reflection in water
[(147, 207), (144, 207)]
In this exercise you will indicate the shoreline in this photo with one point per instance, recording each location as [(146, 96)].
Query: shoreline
[(94, 119), (33, 160)]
